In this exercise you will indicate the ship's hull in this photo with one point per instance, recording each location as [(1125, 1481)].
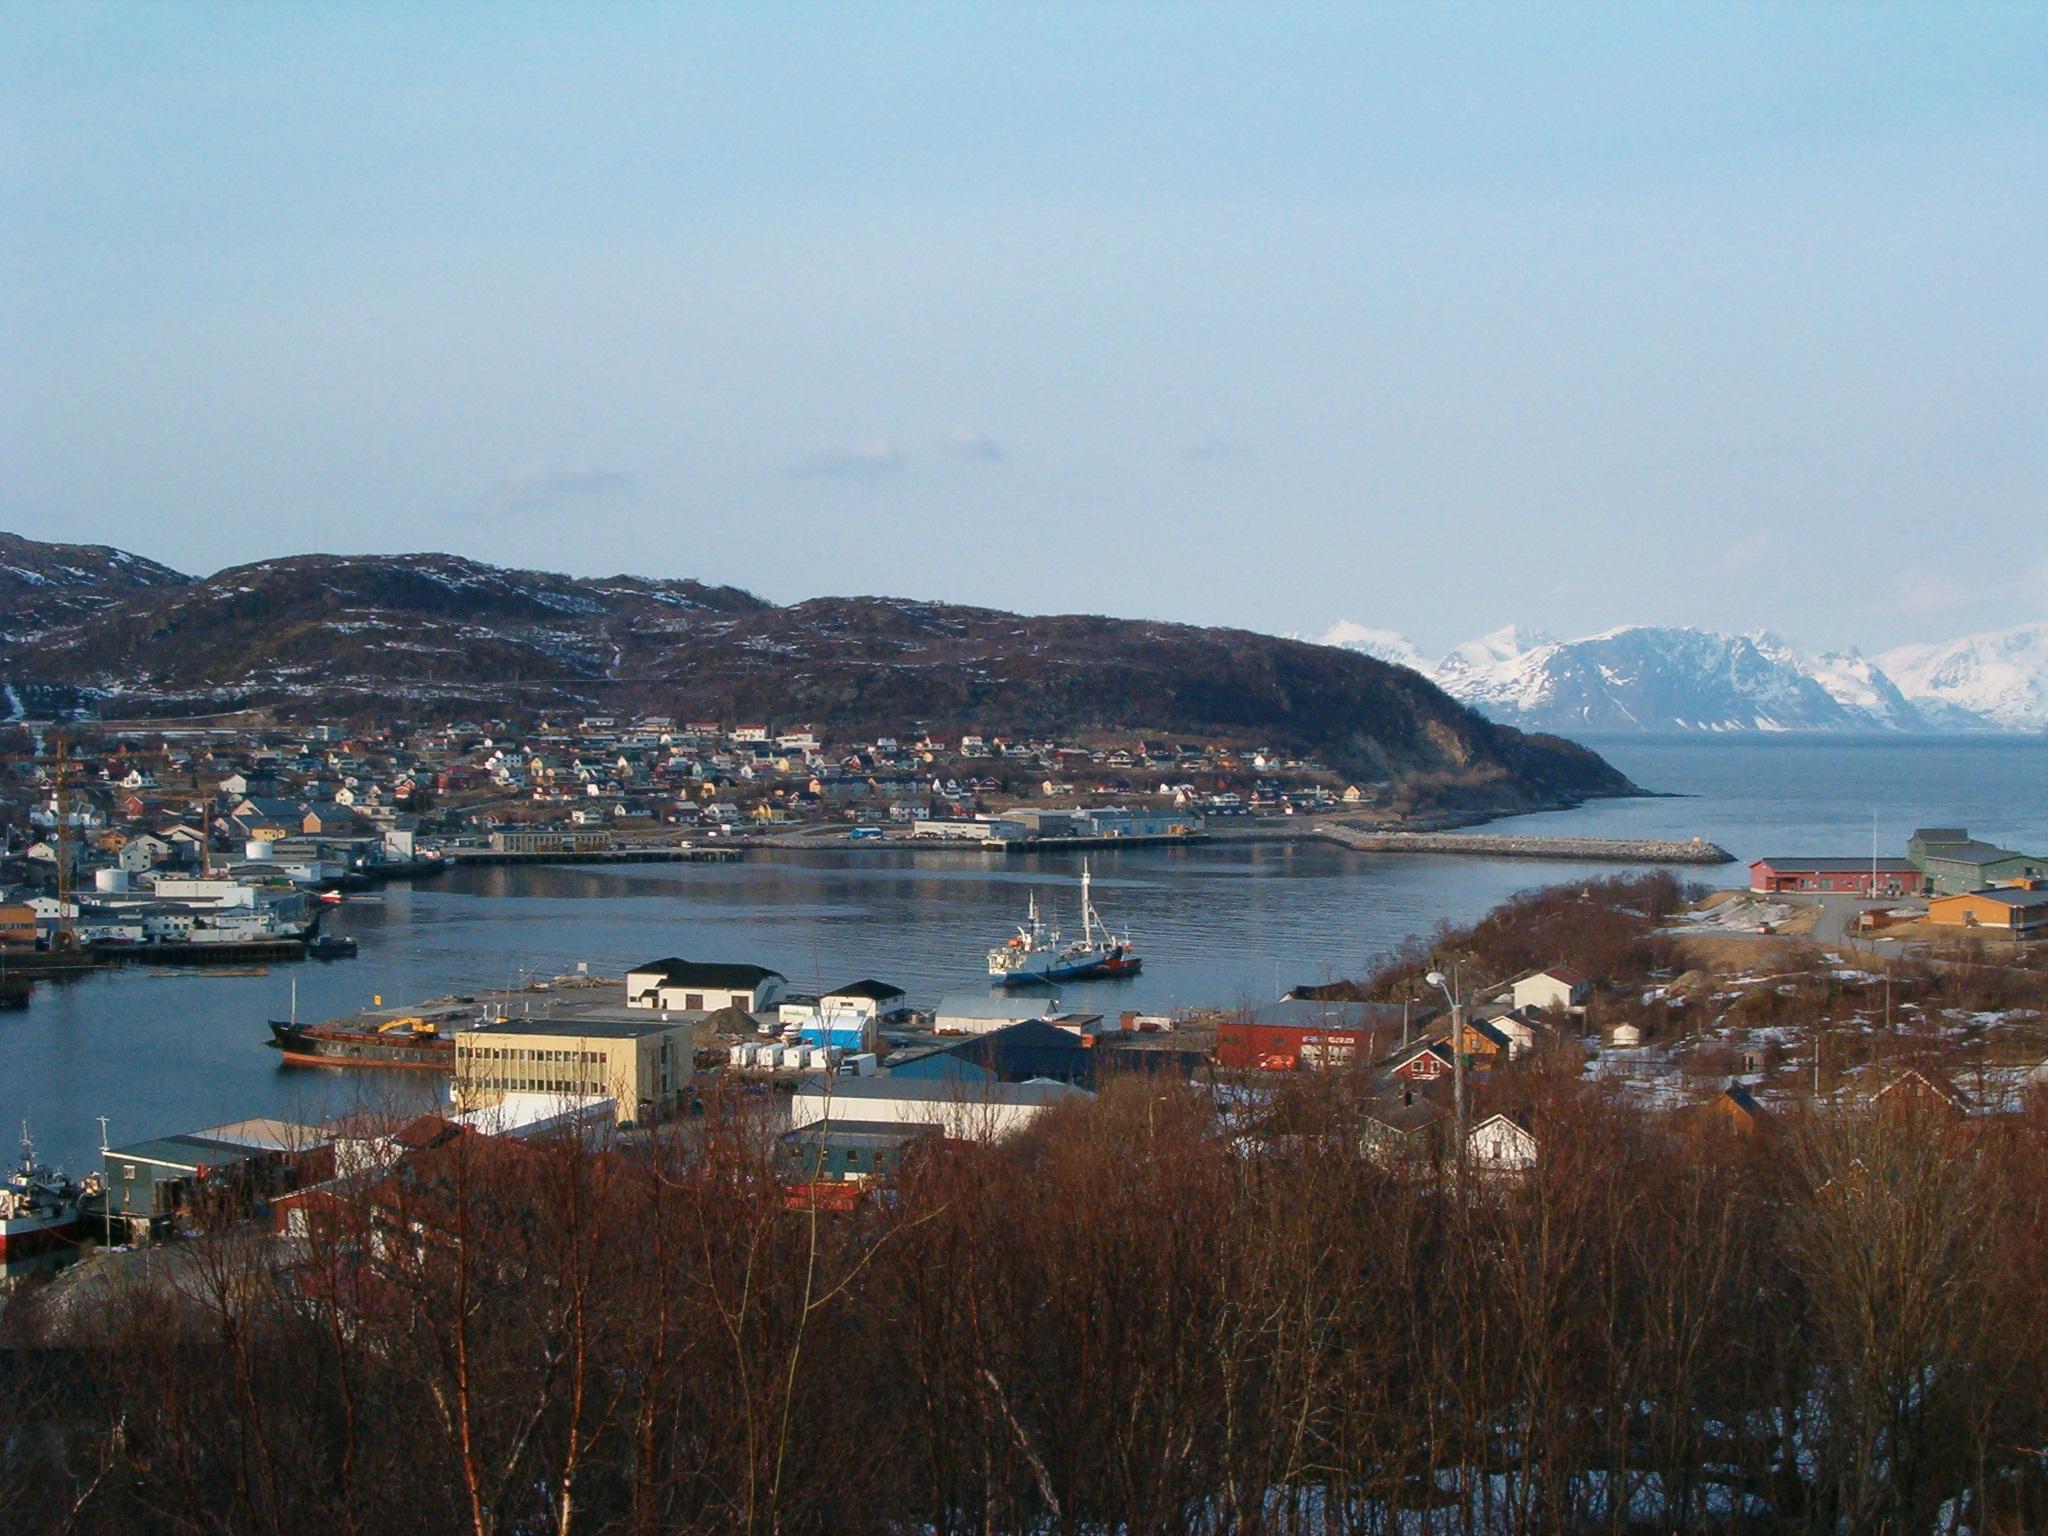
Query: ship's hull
[(24, 1237), (304, 1047), (1078, 968)]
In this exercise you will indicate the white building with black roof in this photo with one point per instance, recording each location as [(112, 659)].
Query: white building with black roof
[(693, 986)]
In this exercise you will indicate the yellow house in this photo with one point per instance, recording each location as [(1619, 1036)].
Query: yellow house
[(2013, 911)]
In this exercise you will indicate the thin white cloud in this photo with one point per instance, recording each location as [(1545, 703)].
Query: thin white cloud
[(543, 487), (1745, 552), (2036, 589), (1929, 591), (970, 443), (862, 461), (1213, 446)]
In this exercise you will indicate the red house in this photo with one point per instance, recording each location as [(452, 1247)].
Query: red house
[(1841, 877)]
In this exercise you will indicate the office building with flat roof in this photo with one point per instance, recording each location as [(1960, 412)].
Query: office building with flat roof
[(642, 1063)]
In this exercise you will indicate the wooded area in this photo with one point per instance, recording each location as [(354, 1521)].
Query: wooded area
[(1143, 1316)]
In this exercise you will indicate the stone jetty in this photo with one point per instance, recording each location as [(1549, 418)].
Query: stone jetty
[(1603, 850)]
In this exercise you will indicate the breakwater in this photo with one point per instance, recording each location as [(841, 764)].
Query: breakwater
[(1602, 850)]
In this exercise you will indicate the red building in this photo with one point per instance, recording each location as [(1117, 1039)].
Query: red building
[(1302, 1032), (1842, 877)]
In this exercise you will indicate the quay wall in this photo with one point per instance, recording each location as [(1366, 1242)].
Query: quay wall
[(599, 856)]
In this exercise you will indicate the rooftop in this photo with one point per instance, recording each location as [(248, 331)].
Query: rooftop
[(2006, 896), (1972, 852), (185, 1151), (1840, 866), (595, 1021), (861, 1133), (707, 973), (931, 1090)]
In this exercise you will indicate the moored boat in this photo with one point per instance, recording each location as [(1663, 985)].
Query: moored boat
[(403, 1043), (1035, 955), (38, 1209)]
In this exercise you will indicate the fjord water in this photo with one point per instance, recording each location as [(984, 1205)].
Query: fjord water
[(1219, 924)]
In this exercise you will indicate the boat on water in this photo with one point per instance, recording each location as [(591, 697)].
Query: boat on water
[(402, 1043), (39, 1209), (1035, 956)]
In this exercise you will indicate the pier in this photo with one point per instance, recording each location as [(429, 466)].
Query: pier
[(653, 855)]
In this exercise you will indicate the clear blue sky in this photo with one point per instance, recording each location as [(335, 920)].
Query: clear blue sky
[(1432, 318)]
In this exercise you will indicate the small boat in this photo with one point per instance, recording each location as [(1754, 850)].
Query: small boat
[(1035, 955), (331, 898), (330, 946), (38, 1209)]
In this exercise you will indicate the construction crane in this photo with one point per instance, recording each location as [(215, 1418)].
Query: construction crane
[(66, 937)]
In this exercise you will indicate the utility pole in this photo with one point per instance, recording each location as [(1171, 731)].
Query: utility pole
[(1438, 980)]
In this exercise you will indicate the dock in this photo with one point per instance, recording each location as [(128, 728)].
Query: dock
[(663, 854), (239, 953)]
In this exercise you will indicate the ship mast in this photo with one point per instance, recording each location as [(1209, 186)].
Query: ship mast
[(1087, 910)]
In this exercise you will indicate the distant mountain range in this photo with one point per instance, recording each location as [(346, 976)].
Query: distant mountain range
[(430, 636), (1641, 678)]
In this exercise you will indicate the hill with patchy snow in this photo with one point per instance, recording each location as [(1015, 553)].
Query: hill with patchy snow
[(429, 635)]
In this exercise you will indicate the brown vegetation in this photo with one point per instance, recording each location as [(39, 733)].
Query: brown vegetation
[(1146, 1316)]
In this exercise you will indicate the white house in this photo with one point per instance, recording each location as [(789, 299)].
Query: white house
[(1501, 1145), (688, 986), (140, 854), (867, 998), (1557, 989)]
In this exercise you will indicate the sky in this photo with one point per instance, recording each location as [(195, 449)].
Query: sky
[(1428, 318)]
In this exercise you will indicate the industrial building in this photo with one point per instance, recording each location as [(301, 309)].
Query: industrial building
[(1954, 862), (979, 1014), (161, 1176), (962, 1110), (642, 1064), (2021, 912), (1299, 1032)]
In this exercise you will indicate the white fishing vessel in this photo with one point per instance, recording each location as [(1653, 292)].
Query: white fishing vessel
[(1036, 956)]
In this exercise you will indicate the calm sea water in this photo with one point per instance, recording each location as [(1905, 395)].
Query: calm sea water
[(162, 1053)]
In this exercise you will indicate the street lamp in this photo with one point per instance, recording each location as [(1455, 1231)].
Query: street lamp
[(1438, 980)]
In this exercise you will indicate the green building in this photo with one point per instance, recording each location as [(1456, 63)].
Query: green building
[(1954, 863)]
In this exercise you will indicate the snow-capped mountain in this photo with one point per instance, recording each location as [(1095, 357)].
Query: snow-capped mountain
[(1488, 656), (1861, 686), (1643, 678), (1382, 643), (2000, 677)]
